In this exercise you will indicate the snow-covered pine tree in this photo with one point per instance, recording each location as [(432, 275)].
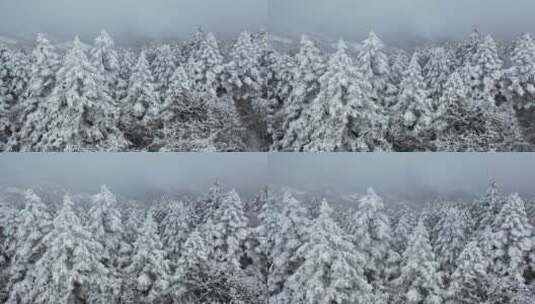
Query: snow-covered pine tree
[(176, 227), (127, 62), (469, 280), (245, 77), (332, 270), (106, 226), (373, 63), (292, 233), (141, 93), (436, 73), (80, 114), (14, 78), (484, 77), (148, 273), (309, 67), (415, 111), (206, 206), (419, 282), (486, 209), (229, 231), (451, 239), (484, 72), (190, 281), (343, 117), (163, 67), (466, 49), (205, 65), (372, 235), (399, 61), (521, 75), (35, 223), (265, 237), (141, 106), (44, 65), (403, 229), (283, 83), (513, 240), (185, 116), (459, 122), (106, 60), (9, 222), (69, 270)]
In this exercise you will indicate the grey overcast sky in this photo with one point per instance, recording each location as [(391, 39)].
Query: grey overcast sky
[(394, 19), (406, 174), (156, 18), (134, 174)]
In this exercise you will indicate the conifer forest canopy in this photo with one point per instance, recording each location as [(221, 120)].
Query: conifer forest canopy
[(261, 75), (287, 238)]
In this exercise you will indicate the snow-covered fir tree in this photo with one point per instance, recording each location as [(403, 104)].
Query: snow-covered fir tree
[(141, 106), (332, 270), (415, 111), (44, 65), (469, 280), (419, 282), (436, 73), (229, 231), (244, 69), (521, 75), (142, 101), (80, 115), (372, 236), (104, 222), (148, 273), (373, 63), (14, 79), (291, 234), (106, 60), (163, 67), (177, 225), (35, 223), (70, 269), (403, 229), (343, 117), (513, 240), (484, 72), (309, 67), (453, 232), (205, 65)]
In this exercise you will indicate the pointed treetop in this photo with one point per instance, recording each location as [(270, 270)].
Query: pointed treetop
[(342, 46), (371, 192), (31, 196), (325, 209), (374, 40), (77, 43), (42, 38), (68, 204), (104, 188), (104, 39)]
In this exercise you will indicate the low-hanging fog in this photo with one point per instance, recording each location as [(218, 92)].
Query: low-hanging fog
[(406, 176), (132, 18), (135, 175), (400, 176), (402, 20)]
